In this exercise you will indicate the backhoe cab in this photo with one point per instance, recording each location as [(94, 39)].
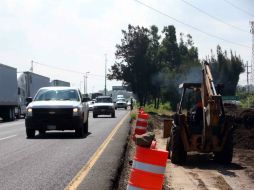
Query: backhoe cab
[(204, 128)]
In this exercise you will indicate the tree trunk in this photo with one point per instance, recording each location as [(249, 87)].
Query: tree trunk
[(158, 103), (155, 103)]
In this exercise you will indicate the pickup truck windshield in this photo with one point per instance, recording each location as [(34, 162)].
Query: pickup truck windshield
[(121, 100), (47, 95), (104, 100)]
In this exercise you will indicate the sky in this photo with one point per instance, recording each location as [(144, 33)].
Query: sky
[(68, 39)]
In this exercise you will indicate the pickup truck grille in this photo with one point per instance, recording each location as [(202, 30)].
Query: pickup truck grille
[(103, 107), (52, 113)]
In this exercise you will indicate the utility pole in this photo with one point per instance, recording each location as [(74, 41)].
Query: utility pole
[(32, 66), (84, 85), (80, 85), (105, 74), (248, 72), (252, 55)]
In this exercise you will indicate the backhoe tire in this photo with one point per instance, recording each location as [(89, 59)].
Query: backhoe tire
[(177, 153), (226, 155), (168, 146)]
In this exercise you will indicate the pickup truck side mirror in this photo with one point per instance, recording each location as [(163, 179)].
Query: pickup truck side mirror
[(28, 100), (85, 99)]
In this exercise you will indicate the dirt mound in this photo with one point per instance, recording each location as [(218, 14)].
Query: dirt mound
[(244, 138), (242, 116)]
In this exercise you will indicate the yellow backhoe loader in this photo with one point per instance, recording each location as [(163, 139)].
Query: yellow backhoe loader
[(204, 129)]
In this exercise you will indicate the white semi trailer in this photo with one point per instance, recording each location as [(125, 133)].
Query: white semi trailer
[(59, 83), (28, 84), (8, 92)]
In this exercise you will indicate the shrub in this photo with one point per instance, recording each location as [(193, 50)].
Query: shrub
[(132, 116)]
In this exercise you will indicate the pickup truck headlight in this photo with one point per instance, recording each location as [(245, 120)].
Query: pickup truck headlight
[(75, 112), (29, 112)]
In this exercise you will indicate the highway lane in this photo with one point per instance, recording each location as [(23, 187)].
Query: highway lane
[(12, 128), (49, 161)]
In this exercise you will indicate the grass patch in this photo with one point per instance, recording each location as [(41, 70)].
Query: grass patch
[(164, 109), (133, 116)]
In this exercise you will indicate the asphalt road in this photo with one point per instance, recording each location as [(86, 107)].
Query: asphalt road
[(51, 161)]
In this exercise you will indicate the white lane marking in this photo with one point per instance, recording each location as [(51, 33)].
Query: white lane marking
[(12, 124), (8, 137)]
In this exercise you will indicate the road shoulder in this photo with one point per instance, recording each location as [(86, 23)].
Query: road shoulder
[(107, 166)]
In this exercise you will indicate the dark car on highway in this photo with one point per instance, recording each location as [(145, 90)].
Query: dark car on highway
[(121, 103), (103, 106)]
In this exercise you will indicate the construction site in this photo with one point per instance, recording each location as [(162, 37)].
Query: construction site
[(208, 147), (200, 170)]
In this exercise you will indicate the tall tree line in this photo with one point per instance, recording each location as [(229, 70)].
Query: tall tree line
[(226, 70), (153, 64)]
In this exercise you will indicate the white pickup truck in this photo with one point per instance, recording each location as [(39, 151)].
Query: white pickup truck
[(57, 108)]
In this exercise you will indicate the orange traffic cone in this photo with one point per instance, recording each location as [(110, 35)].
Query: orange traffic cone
[(142, 116), (141, 110), (141, 124), (148, 169)]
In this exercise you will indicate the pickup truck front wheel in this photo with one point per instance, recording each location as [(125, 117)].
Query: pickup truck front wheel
[(42, 132), (80, 132), (86, 126), (30, 133)]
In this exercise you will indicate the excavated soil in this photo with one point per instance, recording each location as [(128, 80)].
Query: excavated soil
[(244, 138)]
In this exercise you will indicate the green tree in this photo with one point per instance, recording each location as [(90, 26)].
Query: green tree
[(133, 67), (226, 70), (169, 48), (186, 58), (155, 66), (236, 68)]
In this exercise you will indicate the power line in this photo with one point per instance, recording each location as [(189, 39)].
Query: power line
[(215, 18), (239, 8), (67, 70), (58, 68), (193, 27)]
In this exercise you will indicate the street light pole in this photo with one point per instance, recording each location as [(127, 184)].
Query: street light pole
[(86, 81), (105, 74), (32, 66), (84, 84)]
